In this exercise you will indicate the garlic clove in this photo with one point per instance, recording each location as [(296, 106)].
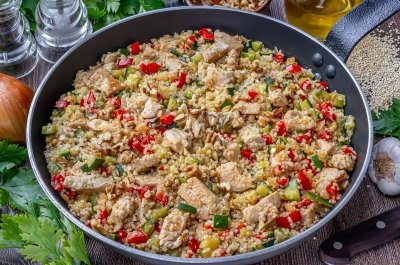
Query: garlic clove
[(389, 187)]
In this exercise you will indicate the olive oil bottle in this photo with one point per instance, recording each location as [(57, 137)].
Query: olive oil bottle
[(317, 17)]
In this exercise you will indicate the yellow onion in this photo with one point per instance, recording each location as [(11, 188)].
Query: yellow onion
[(15, 99)]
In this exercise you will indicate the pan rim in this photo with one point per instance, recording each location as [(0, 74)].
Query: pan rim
[(265, 253)]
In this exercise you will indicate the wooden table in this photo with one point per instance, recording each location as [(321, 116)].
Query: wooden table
[(366, 203)]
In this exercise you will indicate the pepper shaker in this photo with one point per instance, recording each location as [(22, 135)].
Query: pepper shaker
[(61, 24), (18, 54)]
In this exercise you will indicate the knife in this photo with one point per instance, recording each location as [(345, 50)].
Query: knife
[(340, 248)]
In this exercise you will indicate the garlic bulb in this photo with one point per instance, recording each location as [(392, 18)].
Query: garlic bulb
[(384, 167)]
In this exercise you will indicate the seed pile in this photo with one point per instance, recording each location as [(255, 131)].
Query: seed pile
[(375, 62)]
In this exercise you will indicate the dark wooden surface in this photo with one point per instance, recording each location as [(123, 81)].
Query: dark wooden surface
[(366, 203)]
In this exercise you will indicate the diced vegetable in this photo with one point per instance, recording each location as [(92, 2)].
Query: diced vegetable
[(176, 52), (226, 103), (214, 188), (230, 90), (249, 56), (64, 153), (220, 221), (247, 45), (148, 228), (109, 160), (272, 149), (95, 163), (49, 129), (256, 45), (339, 100), (137, 237), (266, 52), (208, 245), (187, 208), (317, 163), (305, 182), (197, 57), (156, 214), (305, 104), (263, 190), (292, 192), (85, 168), (172, 104), (317, 198), (120, 169)]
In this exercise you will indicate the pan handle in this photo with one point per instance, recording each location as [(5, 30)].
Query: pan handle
[(350, 29)]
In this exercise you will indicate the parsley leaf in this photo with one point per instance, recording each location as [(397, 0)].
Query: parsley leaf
[(387, 122), (10, 232), (12, 153)]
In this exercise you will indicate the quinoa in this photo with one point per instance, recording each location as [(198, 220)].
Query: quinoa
[(199, 144)]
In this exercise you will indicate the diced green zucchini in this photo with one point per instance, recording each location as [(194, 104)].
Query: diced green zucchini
[(283, 140), (176, 52), (349, 123), (269, 243), (197, 57), (269, 81), (256, 45), (230, 90), (214, 188), (266, 52), (292, 192), (148, 228), (267, 129), (315, 115), (124, 51), (56, 113), (263, 88), (317, 198), (249, 56), (181, 180), (188, 93), (220, 221), (118, 73), (226, 103), (172, 104), (120, 169), (305, 104), (49, 129), (85, 168), (79, 133), (55, 169), (324, 95), (316, 161), (113, 237), (64, 153), (186, 208), (157, 214), (109, 160), (247, 45), (100, 102), (95, 162), (191, 160), (339, 101), (263, 190)]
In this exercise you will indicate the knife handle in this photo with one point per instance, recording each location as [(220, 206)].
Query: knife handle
[(338, 249)]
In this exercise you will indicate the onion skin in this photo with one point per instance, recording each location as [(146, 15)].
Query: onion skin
[(15, 99)]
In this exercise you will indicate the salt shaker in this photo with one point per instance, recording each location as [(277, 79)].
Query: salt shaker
[(18, 55), (61, 24)]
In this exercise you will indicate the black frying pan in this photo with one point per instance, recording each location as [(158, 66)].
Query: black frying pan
[(309, 52)]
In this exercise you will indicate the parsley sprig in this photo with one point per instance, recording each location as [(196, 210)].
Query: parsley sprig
[(387, 122), (39, 231)]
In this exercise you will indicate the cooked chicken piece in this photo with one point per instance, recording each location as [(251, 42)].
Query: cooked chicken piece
[(267, 217), (232, 152), (214, 77), (151, 109), (193, 125), (192, 171), (172, 63), (278, 99), (298, 120), (173, 232), (252, 138), (176, 139), (215, 52), (81, 79), (99, 125), (233, 179), (309, 215), (110, 57), (144, 180), (103, 81), (251, 214), (122, 209), (196, 194), (79, 124), (324, 149), (325, 177), (87, 183), (342, 161), (224, 78), (248, 108), (146, 162), (234, 42)]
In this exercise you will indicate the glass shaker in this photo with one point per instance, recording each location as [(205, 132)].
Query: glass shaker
[(61, 24), (18, 55)]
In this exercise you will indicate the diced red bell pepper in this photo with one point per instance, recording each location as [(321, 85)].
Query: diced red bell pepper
[(103, 216), (162, 198), (280, 128), (305, 85), (122, 114), (333, 190), (303, 138), (191, 42), (325, 106), (268, 139), (135, 48), (150, 68), (89, 225), (206, 35), (147, 139), (91, 99), (193, 244), (295, 216), (246, 153), (282, 181), (136, 144), (104, 170), (117, 103), (324, 85), (142, 191), (159, 97), (241, 225), (157, 227), (207, 226), (326, 110), (325, 135), (82, 103), (181, 80), (124, 62), (161, 168), (293, 68), (70, 193), (62, 104), (305, 182), (167, 119), (304, 202), (348, 151), (291, 154), (282, 222), (278, 57), (57, 182), (136, 237), (252, 94), (279, 169), (122, 234)]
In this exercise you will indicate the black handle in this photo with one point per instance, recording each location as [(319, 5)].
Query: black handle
[(350, 29), (341, 247), (173, 3)]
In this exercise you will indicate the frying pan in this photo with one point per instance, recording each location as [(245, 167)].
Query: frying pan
[(309, 52)]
